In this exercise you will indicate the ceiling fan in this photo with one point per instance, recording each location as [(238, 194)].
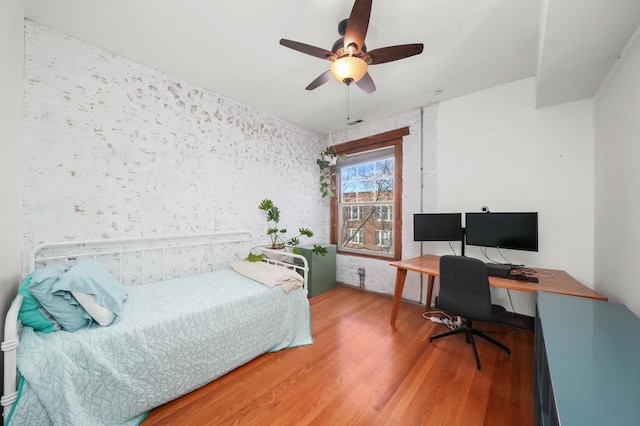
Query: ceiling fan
[(349, 54)]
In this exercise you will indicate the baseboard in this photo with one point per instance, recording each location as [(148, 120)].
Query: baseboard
[(523, 322)]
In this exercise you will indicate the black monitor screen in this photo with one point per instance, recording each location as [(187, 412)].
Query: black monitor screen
[(518, 231), (437, 227)]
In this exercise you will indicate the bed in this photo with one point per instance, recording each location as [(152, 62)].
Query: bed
[(189, 317)]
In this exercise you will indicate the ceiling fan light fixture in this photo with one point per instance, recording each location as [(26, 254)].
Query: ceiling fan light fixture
[(348, 69), (349, 55)]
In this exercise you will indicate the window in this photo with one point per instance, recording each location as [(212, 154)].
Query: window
[(383, 238), (355, 236), (385, 213), (366, 212), (354, 213)]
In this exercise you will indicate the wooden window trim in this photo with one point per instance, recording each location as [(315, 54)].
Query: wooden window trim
[(382, 140)]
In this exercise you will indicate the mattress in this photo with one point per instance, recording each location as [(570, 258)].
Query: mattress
[(172, 338)]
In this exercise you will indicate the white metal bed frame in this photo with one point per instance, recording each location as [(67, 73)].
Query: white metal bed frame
[(66, 251)]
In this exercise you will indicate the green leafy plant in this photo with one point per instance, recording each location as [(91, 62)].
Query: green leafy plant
[(327, 162), (277, 235)]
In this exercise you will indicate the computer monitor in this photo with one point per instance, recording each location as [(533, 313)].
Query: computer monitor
[(437, 227), (508, 230)]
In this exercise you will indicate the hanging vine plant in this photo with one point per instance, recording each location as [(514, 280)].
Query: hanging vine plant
[(327, 164)]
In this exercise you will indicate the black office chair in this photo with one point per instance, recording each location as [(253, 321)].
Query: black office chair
[(464, 291)]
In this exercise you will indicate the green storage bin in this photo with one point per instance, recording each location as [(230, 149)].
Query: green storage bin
[(322, 269)]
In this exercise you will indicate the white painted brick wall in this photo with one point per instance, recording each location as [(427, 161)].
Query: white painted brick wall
[(114, 148)]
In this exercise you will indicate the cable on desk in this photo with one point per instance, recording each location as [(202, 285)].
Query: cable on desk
[(452, 249), (531, 271)]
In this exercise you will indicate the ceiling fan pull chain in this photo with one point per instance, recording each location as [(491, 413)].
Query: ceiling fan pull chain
[(348, 106)]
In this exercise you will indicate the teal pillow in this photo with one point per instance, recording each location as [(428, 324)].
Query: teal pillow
[(90, 277), (60, 304), (31, 313)]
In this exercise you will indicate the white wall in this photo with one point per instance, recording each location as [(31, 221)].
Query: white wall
[(495, 149), (11, 82), (418, 175), (617, 201), (114, 148)]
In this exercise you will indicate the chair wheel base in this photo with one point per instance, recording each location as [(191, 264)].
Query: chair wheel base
[(469, 332)]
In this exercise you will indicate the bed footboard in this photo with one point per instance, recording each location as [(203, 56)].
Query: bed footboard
[(293, 261)]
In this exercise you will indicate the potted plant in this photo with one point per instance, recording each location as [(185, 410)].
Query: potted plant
[(277, 235), (327, 162)]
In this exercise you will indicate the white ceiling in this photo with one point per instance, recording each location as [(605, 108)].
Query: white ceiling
[(231, 48)]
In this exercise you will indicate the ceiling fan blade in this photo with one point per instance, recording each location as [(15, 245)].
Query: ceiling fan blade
[(392, 53), (357, 26), (366, 84), (308, 49), (322, 79)]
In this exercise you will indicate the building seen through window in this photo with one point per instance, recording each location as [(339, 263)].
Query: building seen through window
[(366, 197)]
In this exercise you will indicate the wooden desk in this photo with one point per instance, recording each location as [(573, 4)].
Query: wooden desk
[(550, 280)]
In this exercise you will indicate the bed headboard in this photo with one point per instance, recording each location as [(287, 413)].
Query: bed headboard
[(135, 261)]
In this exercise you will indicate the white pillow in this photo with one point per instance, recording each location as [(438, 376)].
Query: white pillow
[(99, 313)]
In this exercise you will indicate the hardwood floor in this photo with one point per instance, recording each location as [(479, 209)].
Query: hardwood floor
[(361, 371)]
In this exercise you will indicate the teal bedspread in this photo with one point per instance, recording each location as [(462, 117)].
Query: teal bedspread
[(172, 338)]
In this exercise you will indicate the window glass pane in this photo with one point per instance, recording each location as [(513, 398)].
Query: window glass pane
[(348, 174), (368, 182), (365, 207), (362, 228)]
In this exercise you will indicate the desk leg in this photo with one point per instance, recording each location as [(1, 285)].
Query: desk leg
[(401, 275), (429, 290)]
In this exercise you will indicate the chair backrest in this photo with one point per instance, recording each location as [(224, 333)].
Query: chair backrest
[(464, 287)]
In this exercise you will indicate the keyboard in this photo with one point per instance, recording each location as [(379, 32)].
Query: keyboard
[(499, 269), (522, 277), (504, 270)]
